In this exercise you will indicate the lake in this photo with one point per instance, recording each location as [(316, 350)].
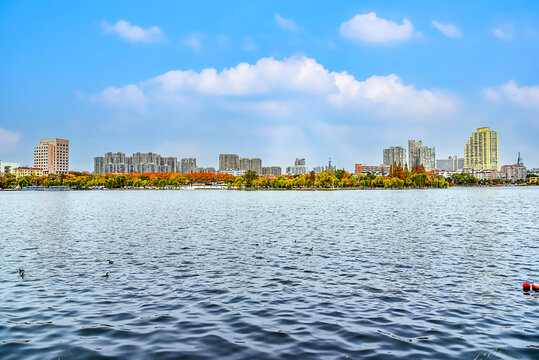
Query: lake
[(367, 274)]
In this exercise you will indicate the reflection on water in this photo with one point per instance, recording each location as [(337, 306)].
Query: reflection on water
[(225, 274)]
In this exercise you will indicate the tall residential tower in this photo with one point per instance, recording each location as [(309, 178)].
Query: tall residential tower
[(481, 151), (419, 154), (229, 162), (395, 155)]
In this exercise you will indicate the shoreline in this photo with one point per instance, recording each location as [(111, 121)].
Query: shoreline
[(209, 188)]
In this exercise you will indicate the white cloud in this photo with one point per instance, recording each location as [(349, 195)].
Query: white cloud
[(128, 95), (448, 30), (287, 24), (387, 95), (527, 96), (133, 33), (369, 28), (193, 41), (283, 87), (8, 140), (504, 32)]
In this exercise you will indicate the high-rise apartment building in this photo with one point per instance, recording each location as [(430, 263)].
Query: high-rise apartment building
[(188, 165), (395, 155), (139, 162), (481, 150), (254, 164), (299, 167), (229, 162), (52, 155), (427, 158), (419, 154), (414, 147)]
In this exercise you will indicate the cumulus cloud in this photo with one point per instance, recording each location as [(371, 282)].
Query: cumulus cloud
[(8, 140), (370, 28), (282, 86), (387, 95), (133, 33), (448, 30), (527, 96), (287, 24), (504, 32)]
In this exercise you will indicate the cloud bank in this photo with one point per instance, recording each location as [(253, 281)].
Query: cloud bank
[(369, 28), (133, 33), (272, 84)]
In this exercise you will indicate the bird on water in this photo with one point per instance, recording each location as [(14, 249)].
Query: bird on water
[(106, 275), (21, 273), (111, 262)]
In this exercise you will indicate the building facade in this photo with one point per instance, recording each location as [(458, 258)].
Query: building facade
[(271, 170), (52, 155), (381, 170), (452, 163), (419, 154), (229, 162), (481, 150), (204, 169), (234, 172), (427, 158), (139, 162), (27, 171), (514, 173), (187, 165), (299, 167), (395, 155), (7, 167), (254, 164)]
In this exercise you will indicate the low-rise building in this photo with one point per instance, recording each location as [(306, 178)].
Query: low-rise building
[(200, 169), (271, 170), (445, 173), (7, 167), (233, 172), (489, 175), (380, 170), (27, 171), (534, 171)]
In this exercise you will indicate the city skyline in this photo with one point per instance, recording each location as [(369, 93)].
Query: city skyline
[(189, 83), (418, 154)]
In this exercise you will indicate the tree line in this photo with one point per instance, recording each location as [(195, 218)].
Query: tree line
[(398, 178)]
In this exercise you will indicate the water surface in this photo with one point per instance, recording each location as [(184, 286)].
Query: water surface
[(389, 274)]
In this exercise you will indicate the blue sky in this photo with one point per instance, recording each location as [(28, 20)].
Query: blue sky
[(276, 80)]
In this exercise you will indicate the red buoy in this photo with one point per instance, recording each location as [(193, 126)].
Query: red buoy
[(535, 287), (526, 286)]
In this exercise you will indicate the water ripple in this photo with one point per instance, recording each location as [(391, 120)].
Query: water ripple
[(266, 275)]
